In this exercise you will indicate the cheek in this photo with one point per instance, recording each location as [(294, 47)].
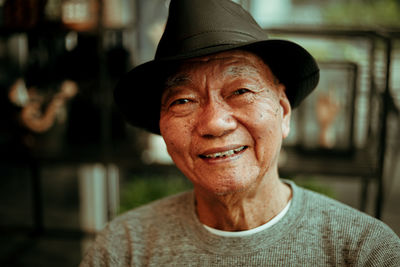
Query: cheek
[(176, 136), (265, 117), (266, 131)]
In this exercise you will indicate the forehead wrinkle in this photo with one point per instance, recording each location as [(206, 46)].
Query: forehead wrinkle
[(177, 80), (238, 71)]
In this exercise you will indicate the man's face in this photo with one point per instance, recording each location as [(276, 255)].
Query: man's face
[(223, 118)]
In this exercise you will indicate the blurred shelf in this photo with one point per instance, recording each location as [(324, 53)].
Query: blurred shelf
[(327, 162)]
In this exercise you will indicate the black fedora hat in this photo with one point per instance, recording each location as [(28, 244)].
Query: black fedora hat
[(201, 27)]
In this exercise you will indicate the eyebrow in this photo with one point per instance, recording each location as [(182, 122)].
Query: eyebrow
[(174, 82), (177, 80)]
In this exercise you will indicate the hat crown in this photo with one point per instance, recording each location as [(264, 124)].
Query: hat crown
[(195, 25), (197, 28)]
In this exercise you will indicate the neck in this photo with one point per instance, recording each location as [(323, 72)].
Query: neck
[(243, 210)]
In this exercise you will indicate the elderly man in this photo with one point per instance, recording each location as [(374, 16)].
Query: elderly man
[(221, 93)]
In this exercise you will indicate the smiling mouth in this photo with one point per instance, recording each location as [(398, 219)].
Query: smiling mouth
[(224, 153)]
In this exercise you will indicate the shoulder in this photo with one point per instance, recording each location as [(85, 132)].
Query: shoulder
[(128, 235), (156, 210), (336, 211), (352, 230), (337, 214)]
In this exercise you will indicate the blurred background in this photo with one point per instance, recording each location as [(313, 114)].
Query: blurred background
[(69, 163)]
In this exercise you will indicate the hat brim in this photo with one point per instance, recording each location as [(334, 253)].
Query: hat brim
[(138, 93)]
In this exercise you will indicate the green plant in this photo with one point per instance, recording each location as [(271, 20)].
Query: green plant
[(140, 190)]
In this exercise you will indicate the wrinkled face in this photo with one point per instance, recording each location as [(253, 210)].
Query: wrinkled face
[(223, 118)]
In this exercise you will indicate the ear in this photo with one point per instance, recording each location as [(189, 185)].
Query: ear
[(286, 112)]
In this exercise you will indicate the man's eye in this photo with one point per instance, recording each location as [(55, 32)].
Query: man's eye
[(181, 106), (241, 91), (180, 101)]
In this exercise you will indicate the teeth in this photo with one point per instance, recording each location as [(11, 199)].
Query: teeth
[(225, 153)]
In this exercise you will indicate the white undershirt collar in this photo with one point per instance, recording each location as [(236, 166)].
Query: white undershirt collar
[(260, 228)]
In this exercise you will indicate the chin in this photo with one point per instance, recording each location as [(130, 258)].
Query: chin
[(229, 187), (231, 191)]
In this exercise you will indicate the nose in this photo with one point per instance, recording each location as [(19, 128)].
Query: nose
[(215, 120)]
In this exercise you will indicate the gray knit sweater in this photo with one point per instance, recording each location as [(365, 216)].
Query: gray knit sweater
[(316, 231)]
